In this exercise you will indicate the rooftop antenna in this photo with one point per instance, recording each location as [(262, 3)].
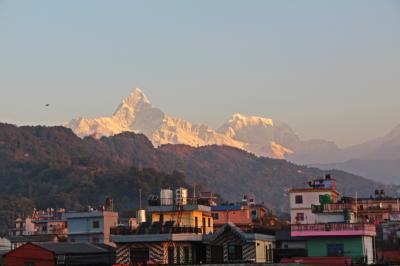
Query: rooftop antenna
[(356, 206), (140, 198)]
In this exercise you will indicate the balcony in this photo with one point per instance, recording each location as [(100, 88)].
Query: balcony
[(333, 229), (333, 207), (156, 229)]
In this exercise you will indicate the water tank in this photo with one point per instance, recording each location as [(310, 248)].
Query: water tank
[(166, 197), (141, 216), (181, 196)]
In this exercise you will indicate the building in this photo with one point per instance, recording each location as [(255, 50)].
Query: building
[(91, 226), (231, 245), (41, 226), (287, 246), (193, 216), (303, 199), (49, 254), (331, 229), (173, 236), (245, 215)]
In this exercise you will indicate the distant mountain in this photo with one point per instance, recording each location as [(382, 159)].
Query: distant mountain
[(44, 167), (385, 171), (377, 159), (258, 135)]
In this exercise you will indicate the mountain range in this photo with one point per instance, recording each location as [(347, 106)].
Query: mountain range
[(258, 135), (52, 167)]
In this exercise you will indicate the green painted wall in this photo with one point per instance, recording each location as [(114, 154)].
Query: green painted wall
[(353, 247)]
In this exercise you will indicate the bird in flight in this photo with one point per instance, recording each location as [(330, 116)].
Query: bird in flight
[(47, 104)]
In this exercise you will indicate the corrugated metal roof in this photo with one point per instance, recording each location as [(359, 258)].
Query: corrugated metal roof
[(226, 208), (73, 248)]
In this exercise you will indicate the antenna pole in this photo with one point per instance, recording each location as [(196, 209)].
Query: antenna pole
[(140, 198), (356, 206)]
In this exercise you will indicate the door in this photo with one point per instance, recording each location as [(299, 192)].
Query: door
[(335, 250), (139, 256), (217, 254)]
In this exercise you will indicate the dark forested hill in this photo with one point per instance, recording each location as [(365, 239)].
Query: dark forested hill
[(51, 167)]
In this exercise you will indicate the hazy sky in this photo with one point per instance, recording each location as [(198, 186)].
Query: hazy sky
[(330, 69)]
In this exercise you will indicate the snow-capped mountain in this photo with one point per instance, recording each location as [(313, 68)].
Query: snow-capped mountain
[(137, 114), (258, 135), (261, 136)]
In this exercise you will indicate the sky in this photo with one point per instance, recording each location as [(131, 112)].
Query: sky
[(329, 69)]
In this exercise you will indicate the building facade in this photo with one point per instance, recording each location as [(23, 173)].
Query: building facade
[(330, 228), (91, 226)]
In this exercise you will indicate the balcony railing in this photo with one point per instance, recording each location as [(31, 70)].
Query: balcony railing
[(160, 230), (155, 201), (334, 229), (333, 207)]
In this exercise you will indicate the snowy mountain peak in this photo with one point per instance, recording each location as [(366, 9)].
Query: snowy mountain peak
[(134, 100), (250, 120), (259, 135)]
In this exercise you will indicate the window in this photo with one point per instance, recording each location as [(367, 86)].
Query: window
[(95, 240), (196, 222), (215, 215), (335, 250), (298, 199), (234, 253), (95, 224), (300, 216), (209, 222)]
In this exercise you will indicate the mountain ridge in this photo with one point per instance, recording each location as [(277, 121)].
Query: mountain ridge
[(261, 136)]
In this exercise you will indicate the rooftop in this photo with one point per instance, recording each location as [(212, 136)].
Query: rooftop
[(170, 208), (75, 248), (89, 214)]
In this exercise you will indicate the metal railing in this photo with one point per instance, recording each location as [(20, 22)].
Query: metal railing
[(166, 230), (334, 227), (333, 207)]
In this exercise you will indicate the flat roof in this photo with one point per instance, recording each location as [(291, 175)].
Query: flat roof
[(92, 214), (170, 208), (294, 190)]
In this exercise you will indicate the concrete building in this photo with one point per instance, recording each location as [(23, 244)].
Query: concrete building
[(91, 226), (42, 226), (302, 199), (173, 236), (330, 230)]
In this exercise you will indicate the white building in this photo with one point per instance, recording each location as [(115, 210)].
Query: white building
[(92, 226), (303, 199)]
